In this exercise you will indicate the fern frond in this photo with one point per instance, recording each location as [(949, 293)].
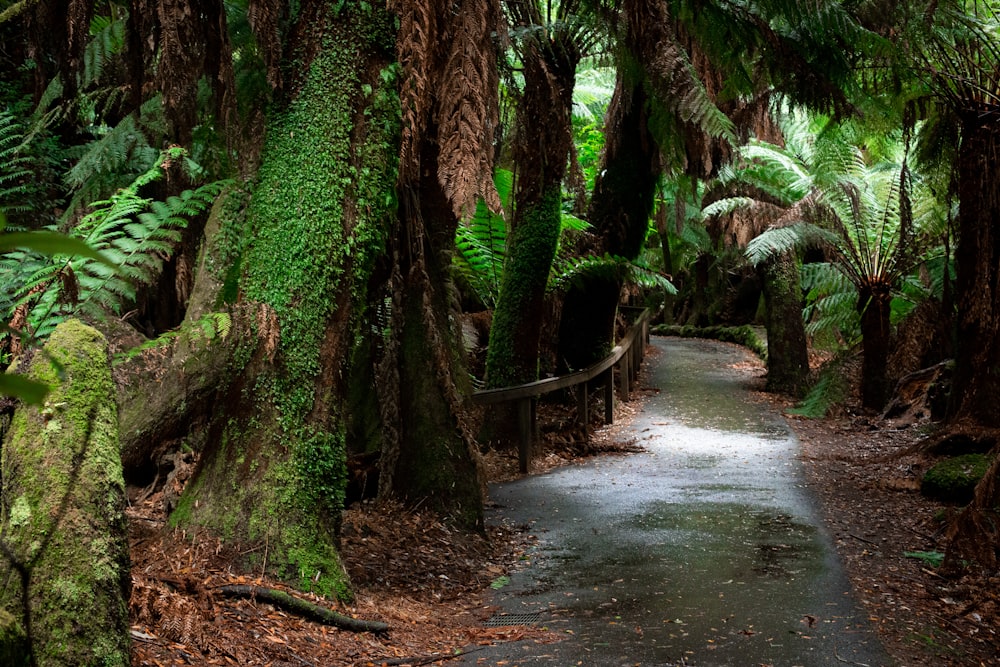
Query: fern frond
[(779, 240), (107, 40), (132, 233), (569, 272)]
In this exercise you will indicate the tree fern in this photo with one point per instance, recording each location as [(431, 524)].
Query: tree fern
[(779, 240), (481, 244), (14, 164), (830, 303)]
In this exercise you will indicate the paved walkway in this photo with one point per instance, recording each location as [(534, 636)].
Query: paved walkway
[(706, 549)]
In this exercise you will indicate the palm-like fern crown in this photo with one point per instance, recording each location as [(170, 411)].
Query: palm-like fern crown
[(829, 185)]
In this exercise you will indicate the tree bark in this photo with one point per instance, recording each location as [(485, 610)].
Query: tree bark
[(619, 211), (787, 356), (273, 470), (873, 305), (540, 152), (977, 288), (974, 538), (431, 456), (65, 558)]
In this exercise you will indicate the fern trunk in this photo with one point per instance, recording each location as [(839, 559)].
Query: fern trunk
[(272, 474), (787, 353), (974, 538), (977, 288), (873, 305), (430, 455), (619, 211), (541, 151)]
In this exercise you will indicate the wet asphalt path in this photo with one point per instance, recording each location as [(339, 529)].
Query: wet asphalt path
[(706, 549)]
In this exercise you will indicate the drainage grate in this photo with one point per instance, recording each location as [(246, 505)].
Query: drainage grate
[(501, 620)]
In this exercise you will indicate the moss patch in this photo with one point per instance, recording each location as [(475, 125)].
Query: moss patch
[(64, 497), (955, 479), (318, 218)]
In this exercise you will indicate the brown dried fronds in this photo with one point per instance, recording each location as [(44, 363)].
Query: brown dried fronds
[(268, 330), (450, 89), (167, 613), (263, 16), (416, 47), (468, 111)]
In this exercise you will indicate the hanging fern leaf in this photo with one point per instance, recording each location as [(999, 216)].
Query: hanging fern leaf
[(570, 272), (128, 238), (779, 240)]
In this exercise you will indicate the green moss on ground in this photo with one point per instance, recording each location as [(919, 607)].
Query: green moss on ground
[(742, 335)]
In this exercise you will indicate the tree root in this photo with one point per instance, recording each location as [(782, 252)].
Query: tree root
[(303, 608)]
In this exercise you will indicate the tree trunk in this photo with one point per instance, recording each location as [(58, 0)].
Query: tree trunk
[(977, 288), (619, 211), (273, 471), (623, 191), (432, 455), (974, 537), (873, 305), (65, 546), (787, 356), (540, 152)]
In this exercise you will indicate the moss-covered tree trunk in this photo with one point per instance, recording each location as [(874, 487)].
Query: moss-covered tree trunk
[(619, 211), (787, 353), (541, 151), (65, 564), (272, 474)]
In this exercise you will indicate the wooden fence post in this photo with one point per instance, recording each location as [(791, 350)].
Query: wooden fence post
[(525, 429)]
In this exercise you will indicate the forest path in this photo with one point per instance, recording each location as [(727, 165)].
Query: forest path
[(705, 549)]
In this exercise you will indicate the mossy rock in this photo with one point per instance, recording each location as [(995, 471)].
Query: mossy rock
[(955, 479), (64, 509)]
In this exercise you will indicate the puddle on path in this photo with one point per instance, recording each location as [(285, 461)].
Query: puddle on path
[(703, 550)]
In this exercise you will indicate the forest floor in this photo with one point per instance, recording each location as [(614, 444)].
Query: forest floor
[(432, 583)]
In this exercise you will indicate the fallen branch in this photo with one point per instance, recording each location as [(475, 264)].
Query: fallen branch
[(303, 608)]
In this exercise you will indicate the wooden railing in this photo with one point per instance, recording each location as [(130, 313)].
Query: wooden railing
[(626, 357)]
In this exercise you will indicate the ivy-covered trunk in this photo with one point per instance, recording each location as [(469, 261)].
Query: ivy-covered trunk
[(787, 354), (272, 472), (873, 305)]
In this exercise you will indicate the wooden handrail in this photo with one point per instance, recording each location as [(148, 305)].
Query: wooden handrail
[(539, 387), (526, 394)]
